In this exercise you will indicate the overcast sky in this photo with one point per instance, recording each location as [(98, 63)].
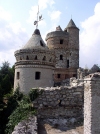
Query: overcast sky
[(17, 17)]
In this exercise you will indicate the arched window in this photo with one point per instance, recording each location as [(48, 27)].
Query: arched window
[(61, 57)]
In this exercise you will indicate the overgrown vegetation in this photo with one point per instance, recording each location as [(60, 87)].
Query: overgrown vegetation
[(14, 106), (23, 110)]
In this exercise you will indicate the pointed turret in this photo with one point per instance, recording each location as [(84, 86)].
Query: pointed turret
[(71, 24), (35, 42)]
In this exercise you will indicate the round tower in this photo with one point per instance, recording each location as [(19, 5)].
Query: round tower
[(73, 33), (66, 46), (58, 41), (34, 64)]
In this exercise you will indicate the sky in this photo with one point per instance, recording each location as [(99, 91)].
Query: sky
[(17, 25)]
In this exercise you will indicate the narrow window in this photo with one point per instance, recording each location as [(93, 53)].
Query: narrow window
[(61, 57), (44, 58), (35, 57), (59, 75), (61, 41), (18, 75), (67, 63), (41, 43), (37, 75), (20, 58), (27, 58)]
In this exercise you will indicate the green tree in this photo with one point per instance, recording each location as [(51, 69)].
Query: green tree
[(6, 84)]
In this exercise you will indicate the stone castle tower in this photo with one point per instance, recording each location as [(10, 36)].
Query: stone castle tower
[(34, 64), (66, 46), (38, 65)]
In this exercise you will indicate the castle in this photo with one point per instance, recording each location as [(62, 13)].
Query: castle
[(41, 65)]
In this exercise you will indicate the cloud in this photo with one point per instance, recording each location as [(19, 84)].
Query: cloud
[(5, 15), (12, 37), (34, 9), (55, 15), (90, 39), (43, 4), (32, 14)]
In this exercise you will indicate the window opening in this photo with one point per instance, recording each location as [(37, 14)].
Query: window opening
[(61, 57), (67, 63), (18, 75), (41, 43), (20, 58), (60, 102), (44, 58), (74, 75), (37, 75), (59, 75), (35, 57), (61, 41), (27, 58)]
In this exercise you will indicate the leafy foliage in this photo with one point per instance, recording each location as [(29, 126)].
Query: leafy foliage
[(34, 93), (22, 112), (6, 85), (24, 108)]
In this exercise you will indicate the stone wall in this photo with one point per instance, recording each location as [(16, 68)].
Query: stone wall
[(61, 102), (92, 104), (28, 126)]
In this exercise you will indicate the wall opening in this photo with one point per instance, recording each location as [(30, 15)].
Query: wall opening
[(59, 75), (18, 75), (61, 41), (67, 63), (44, 58), (41, 43), (61, 57), (35, 57), (27, 58), (37, 75), (74, 75)]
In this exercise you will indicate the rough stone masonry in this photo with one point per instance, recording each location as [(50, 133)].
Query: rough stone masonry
[(92, 104)]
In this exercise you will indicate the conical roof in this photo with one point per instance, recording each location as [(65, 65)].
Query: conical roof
[(71, 24), (35, 42)]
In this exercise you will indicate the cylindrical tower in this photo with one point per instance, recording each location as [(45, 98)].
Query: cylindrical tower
[(34, 65), (66, 46), (73, 33)]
